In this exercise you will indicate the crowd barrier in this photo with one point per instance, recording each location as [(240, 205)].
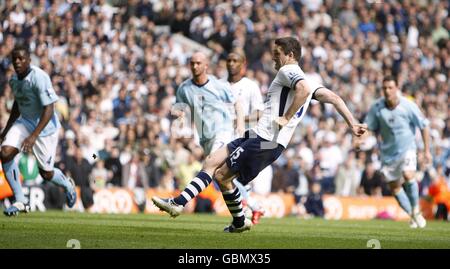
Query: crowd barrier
[(277, 205)]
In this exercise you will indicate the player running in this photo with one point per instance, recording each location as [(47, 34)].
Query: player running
[(32, 127), (396, 119)]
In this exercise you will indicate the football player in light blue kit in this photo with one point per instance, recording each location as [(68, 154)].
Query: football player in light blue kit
[(32, 127), (395, 119), (209, 102)]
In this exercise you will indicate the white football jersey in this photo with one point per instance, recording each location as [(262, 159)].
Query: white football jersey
[(249, 95), (279, 98)]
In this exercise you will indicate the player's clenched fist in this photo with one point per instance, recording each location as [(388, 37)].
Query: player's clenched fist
[(281, 121), (359, 129)]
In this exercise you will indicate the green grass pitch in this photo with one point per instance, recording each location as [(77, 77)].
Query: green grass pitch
[(54, 229)]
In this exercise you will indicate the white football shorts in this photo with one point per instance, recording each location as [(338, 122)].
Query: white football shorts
[(394, 171), (44, 149), (221, 139)]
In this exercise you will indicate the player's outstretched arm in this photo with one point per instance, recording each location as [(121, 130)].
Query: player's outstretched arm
[(324, 95), (15, 113)]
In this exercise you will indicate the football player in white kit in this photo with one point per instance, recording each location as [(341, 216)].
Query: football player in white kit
[(287, 100), (249, 95)]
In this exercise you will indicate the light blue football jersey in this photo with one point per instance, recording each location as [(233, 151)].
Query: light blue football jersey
[(397, 127), (210, 105), (31, 94)]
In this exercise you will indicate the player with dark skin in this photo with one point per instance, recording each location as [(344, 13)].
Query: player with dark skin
[(21, 62)]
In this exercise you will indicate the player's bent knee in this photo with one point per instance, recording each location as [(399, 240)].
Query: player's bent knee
[(221, 180), (46, 175), (8, 153), (395, 186), (409, 175), (219, 175)]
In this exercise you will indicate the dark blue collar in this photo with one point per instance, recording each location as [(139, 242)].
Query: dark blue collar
[(200, 85)]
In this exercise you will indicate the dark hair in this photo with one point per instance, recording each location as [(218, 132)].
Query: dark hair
[(390, 78), (22, 47), (290, 44), (240, 53)]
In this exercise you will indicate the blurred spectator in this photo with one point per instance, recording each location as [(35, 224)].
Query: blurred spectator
[(180, 156), (442, 159), (286, 178), (306, 156), (187, 171), (79, 169), (134, 174), (99, 176), (347, 16), (135, 178), (440, 193), (330, 159), (113, 165), (303, 187), (315, 174), (371, 181), (121, 104), (152, 169), (167, 181), (366, 25), (348, 177), (314, 202), (180, 21)]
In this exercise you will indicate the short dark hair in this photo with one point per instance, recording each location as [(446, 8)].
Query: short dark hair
[(22, 47), (290, 44), (239, 52), (390, 78)]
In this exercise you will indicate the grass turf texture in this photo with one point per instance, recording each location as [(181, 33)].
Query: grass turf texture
[(197, 231)]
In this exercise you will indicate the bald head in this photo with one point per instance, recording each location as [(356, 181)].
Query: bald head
[(199, 65), (199, 56)]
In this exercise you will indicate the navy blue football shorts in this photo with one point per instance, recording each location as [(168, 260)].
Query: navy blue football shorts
[(250, 154)]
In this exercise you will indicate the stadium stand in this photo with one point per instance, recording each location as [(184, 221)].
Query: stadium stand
[(117, 64)]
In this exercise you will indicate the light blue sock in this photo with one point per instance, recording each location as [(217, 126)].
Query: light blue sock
[(11, 171), (241, 188), (60, 180), (412, 191), (403, 201)]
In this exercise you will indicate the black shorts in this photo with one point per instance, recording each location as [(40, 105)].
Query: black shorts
[(250, 155)]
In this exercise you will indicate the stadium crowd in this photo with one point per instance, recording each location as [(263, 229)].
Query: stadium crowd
[(116, 66)]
